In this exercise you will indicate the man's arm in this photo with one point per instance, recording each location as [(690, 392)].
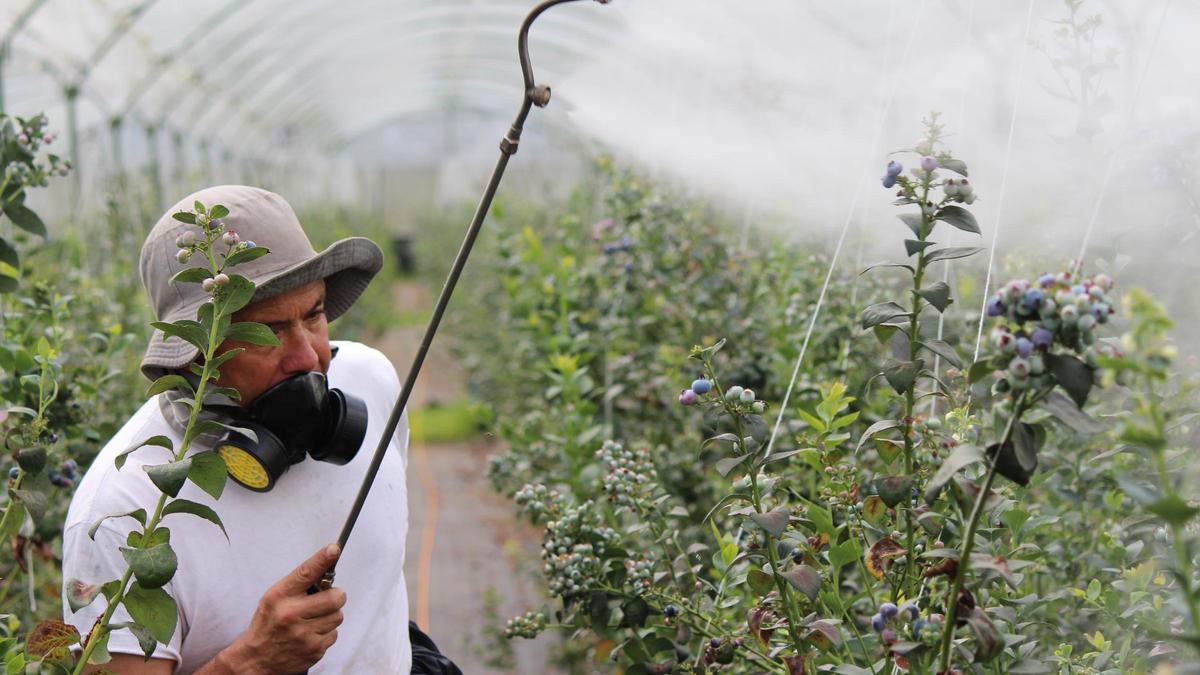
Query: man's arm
[(290, 631)]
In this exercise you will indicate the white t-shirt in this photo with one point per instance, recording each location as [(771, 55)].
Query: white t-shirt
[(219, 583)]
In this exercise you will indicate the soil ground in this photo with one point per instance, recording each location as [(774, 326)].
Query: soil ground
[(471, 564)]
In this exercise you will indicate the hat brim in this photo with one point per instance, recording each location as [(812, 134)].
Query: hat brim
[(347, 266)]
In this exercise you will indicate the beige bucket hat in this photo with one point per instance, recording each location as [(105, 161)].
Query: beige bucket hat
[(265, 218)]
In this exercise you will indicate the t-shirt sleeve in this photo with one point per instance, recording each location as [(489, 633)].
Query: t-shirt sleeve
[(98, 562)]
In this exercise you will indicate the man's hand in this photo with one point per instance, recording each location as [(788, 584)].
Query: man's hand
[(291, 629)]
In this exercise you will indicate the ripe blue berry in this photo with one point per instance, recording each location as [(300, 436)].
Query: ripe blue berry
[(670, 611), (1035, 296), (687, 397), (995, 307), (889, 181), (1046, 280), (1024, 347), (13, 473), (1042, 338), (878, 623), (918, 626), (888, 610), (701, 386), (910, 608), (894, 168)]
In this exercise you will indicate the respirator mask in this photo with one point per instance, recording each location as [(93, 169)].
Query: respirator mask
[(298, 417)]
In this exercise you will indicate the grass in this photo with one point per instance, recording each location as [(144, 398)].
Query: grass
[(445, 422)]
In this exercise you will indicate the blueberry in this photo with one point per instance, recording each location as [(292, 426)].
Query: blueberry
[(69, 467), (878, 623), (889, 182), (1078, 289), (733, 393), (888, 636), (1019, 367), (701, 386), (13, 473), (55, 477), (918, 626), (1042, 338), (1024, 347), (670, 611), (1035, 296), (995, 307), (687, 397), (894, 168), (910, 608), (888, 610), (747, 396), (715, 642), (1046, 280), (928, 163)]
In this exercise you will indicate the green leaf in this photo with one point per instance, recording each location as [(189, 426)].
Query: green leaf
[(844, 554), (1065, 411), (160, 441), (137, 514), (8, 284), (218, 211), (80, 594), (154, 609), (951, 253), (943, 350), (1073, 375), (14, 518), (903, 374), (209, 472), (774, 522), (195, 509), (989, 643), (144, 637), (153, 566), (894, 490), (727, 464), (191, 275), (220, 359), (185, 330), (958, 217), (760, 582), (168, 382), (169, 477), (980, 369), (956, 165), (874, 509), (199, 207), (804, 579), (245, 255), (23, 217), (1017, 459), (184, 217), (234, 295), (35, 502), (254, 333), (937, 295), (915, 246), (8, 254), (913, 221), (962, 457), (32, 460), (881, 425), (882, 313), (1173, 509), (821, 518), (634, 613), (215, 427), (886, 265)]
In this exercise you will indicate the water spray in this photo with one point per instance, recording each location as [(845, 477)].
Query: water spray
[(534, 95)]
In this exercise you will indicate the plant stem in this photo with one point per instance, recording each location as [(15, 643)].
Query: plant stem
[(102, 627), (964, 558)]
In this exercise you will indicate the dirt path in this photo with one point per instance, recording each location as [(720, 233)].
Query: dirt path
[(470, 563)]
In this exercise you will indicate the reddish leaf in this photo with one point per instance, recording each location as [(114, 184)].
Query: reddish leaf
[(998, 564), (825, 635), (755, 619), (948, 566), (51, 639), (879, 558), (795, 664)]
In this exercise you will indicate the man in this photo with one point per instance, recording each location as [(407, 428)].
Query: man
[(243, 601)]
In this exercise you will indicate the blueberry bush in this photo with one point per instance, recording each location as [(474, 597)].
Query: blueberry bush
[(915, 510)]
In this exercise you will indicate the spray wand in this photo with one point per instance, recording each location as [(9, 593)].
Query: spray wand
[(535, 95)]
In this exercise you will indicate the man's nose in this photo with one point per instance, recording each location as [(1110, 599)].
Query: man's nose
[(299, 354)]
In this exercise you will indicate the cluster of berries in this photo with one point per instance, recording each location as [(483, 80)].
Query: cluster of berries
[(528, 626), (720, 651), (64, 476), (735, 395), (538, 501), (640, 574), (887, 612), (573, 548), (189, 243), (1055, 310), (628, 471)]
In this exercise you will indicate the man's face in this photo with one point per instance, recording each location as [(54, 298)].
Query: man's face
[(298, 319)]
